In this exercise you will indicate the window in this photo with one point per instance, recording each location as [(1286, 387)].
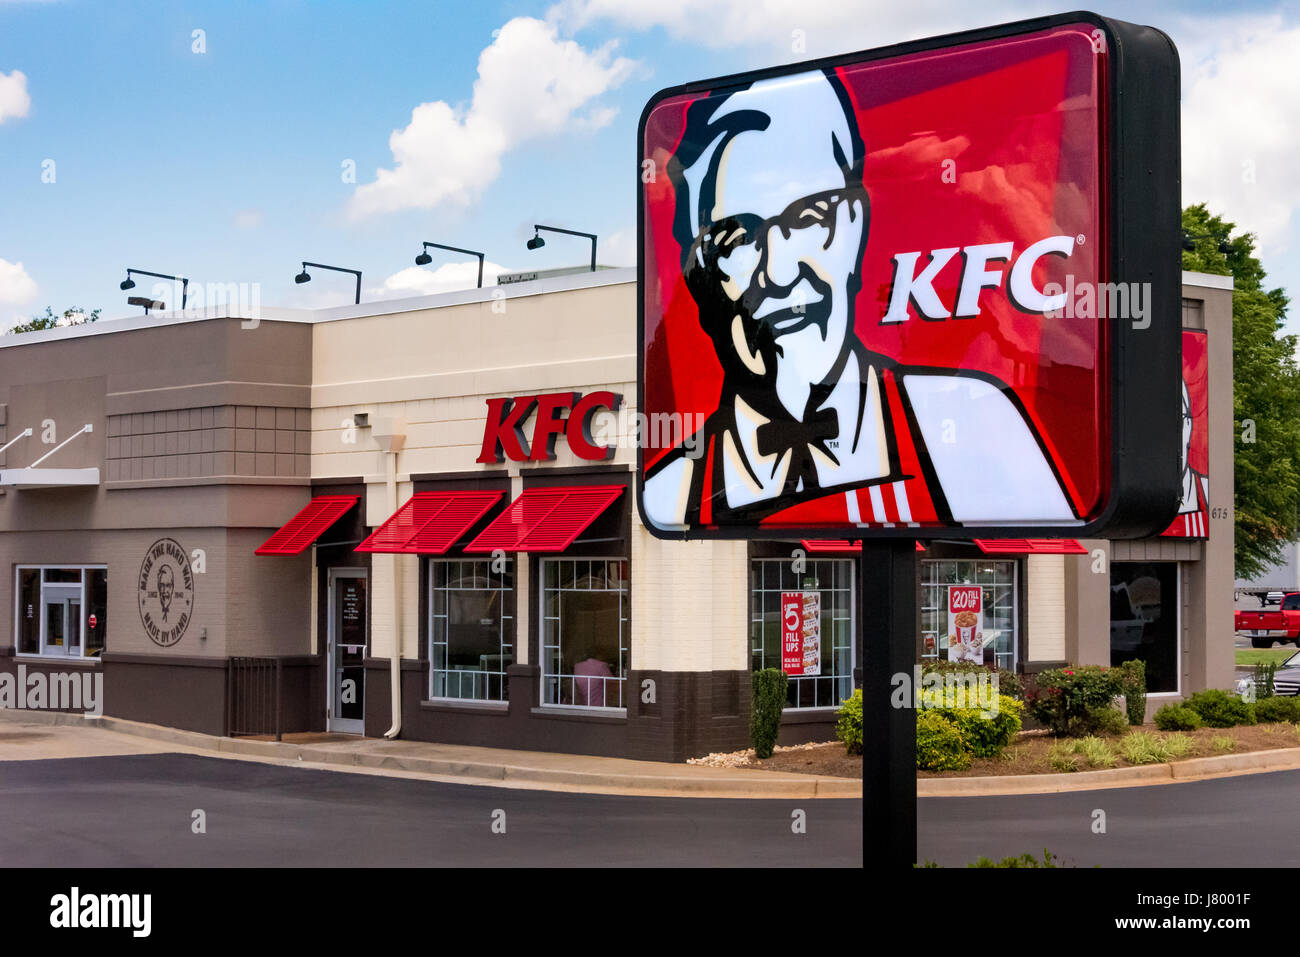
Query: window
[(61, 611), (998, 591), (471, 630), (1144, 620), (585, 633), (833, 580)]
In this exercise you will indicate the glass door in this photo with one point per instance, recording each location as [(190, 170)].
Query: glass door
[(347, 636), (61, 620)]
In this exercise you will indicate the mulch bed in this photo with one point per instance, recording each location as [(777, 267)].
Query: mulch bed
[(828, 758)]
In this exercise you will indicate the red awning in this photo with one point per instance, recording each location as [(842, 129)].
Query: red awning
[(1030, 546), (431, 522), (546, 519), (308, 525), (838, 545)]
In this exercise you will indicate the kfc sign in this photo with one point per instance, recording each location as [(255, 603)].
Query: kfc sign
[(504, 436), (861, 276)]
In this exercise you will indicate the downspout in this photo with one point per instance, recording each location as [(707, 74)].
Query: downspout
[(391, 436), (395, 662)]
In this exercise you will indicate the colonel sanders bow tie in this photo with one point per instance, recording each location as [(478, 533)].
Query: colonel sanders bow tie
[(800, 439)]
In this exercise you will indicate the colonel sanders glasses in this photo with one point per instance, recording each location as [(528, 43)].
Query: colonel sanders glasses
[(747, 231)]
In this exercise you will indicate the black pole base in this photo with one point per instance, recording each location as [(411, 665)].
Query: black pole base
[(887, 606)]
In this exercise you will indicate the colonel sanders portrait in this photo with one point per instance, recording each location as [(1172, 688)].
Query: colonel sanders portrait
[(772, 217), (166, 589), (1195, 505)]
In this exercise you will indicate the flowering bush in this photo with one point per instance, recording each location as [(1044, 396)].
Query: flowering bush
[(1078, 700)]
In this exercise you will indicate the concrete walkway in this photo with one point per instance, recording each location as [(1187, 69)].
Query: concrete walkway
[(28, 735)]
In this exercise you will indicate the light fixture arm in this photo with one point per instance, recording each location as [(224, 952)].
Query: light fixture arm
[(185, 283), (355, 272), (467, 252), (571, 232)]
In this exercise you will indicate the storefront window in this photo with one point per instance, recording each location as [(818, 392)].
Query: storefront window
[(997, 581), (585, 633), (471, 632), (1144, 620), (827, 653), (61, 611)]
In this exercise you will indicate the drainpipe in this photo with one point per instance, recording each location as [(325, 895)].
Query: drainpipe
[(391, 435)]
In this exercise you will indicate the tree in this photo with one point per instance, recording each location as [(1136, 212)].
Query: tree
[(75, 316), (1266, 395)]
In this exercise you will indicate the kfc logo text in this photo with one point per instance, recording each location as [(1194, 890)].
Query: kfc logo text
[(918, 289), (503, 433)]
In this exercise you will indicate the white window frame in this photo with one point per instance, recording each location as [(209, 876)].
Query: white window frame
[(505, 627), (1179, 569), (799, 680), (85, 606), (624, 637), (1015, 603)]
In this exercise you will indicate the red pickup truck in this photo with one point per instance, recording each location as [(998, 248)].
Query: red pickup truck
[(1266, 627)]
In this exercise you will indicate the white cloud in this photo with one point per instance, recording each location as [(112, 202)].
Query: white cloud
[(248, 218), (14, 100), (768, 26), (16, 287), (449, 277), (1241, 130), (531, 83)]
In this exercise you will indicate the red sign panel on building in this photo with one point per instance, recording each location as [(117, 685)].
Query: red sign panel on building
[(1193, 519)]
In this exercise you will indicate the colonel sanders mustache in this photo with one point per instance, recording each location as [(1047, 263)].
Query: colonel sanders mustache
[(745, 334)]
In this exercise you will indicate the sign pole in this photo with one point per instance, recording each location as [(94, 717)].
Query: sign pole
[(887, 609)]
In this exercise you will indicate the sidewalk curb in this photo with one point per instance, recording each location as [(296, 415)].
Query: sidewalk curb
[(753, 784), (1193, 769)]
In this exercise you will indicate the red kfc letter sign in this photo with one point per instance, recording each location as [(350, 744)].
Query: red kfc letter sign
[(503, 433)]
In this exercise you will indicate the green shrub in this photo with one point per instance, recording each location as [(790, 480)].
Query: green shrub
[(1008, 682), (769, 701), (1179, 745), (1143, 747), (985, 731), (1062, 757), (1177, 717), (849, 726), (939, 743), (1078, 700), (1269, 710), (1133, 676), (1218, 709), (1024, 860), (1099, 719), (1093, 751)]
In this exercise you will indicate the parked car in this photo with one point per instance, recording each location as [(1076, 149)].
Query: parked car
[(1286, 680), (1266, 627)]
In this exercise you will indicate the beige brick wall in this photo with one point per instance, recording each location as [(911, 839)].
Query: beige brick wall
[(689, 604), (1045, 607)]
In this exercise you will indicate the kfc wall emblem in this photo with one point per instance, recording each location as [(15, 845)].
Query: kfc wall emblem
[(165, 591), (852, 275)]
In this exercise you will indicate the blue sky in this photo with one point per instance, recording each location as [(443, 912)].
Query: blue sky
[(227, 165)]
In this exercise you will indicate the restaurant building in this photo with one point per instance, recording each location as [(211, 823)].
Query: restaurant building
[(416, 518)]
